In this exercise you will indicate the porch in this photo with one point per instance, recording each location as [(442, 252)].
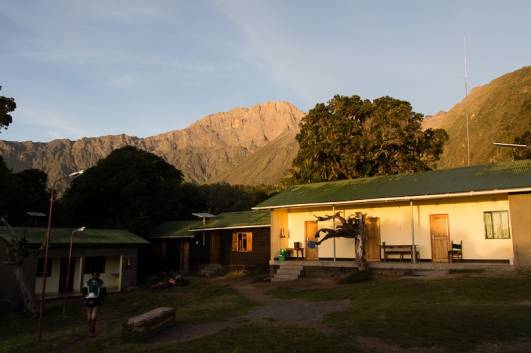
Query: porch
[(325, 267)]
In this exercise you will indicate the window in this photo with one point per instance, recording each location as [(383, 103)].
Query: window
[(95, 264), (496, 225), (40, 267), (242, 242)]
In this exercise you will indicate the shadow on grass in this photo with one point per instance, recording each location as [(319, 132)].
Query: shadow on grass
[(199, 302), (256, 338), (457, 313)]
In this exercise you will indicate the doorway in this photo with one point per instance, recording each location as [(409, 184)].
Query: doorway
[(372, 227), (215, 248), (62, 275), (440, 237), (310, 231)]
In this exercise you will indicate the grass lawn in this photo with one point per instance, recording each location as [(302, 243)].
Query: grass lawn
[(201, 301), (256, 338), (457, 313)]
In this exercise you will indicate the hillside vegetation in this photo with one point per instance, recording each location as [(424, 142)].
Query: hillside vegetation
[(498, 112)]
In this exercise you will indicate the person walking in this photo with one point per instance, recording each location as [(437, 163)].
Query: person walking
[(94, 294)]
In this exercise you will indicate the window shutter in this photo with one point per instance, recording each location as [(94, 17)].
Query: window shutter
[(249, 242), (234, 242)]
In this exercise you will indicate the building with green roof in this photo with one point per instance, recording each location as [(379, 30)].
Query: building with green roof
[(485, 208), (227, 240), (113, 253)]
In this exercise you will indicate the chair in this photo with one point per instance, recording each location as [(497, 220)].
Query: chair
[(455, 252)]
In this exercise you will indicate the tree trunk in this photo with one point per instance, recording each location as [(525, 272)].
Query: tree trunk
[(361, 242), (27, 295)]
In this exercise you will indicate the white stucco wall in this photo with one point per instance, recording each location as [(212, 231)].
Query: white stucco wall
[(52, 282), (465, 216), (111, 276)]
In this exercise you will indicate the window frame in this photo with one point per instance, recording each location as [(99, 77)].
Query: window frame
[(40, 267), (242, 238), (90, 269), (489, 225)]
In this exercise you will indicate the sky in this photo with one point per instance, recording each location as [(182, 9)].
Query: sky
[(101, 67)]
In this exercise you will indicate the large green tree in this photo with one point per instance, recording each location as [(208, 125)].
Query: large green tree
[(7, 105), (22, 192), (350, 137), (131, 189), (223, 197)]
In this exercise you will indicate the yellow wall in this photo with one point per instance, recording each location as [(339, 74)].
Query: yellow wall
[(279, 225), (521, 226), (465, 220)]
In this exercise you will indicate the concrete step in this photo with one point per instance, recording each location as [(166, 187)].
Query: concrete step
[(286, 277), (292, 267), (282, 279), (287, 271), (291, 264)]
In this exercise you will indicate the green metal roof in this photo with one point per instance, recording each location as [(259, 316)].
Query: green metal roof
[(175, 229), (233, 220), (482, 178), (61, 236)]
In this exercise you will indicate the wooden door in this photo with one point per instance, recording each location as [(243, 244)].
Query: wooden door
[(185, 256), (372, 227), (440, 237), (310, 230), (215, 248)]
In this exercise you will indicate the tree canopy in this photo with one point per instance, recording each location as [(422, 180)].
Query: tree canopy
[(350, 137), (22, 192), (131, 189), (7, 105), (136, 190), (223, 197)]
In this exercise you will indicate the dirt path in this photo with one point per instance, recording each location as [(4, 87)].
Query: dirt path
[(74, 346), (289, 311)]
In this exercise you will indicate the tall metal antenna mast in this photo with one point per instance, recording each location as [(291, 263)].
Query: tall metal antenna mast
[(464, 105)]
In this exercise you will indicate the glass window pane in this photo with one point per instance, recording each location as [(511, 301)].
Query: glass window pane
[(504, 219), (488, 225), (497, 225)]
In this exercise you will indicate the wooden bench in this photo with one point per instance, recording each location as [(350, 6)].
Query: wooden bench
[(397, 250), (142, 326)]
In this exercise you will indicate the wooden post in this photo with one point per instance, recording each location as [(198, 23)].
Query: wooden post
[(81, 272), (413, 245), (65, 294), (120, 277), (334, 220), (363, 241)]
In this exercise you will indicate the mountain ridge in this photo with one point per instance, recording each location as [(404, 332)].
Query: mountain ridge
[(256, 145), (203, 150)]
